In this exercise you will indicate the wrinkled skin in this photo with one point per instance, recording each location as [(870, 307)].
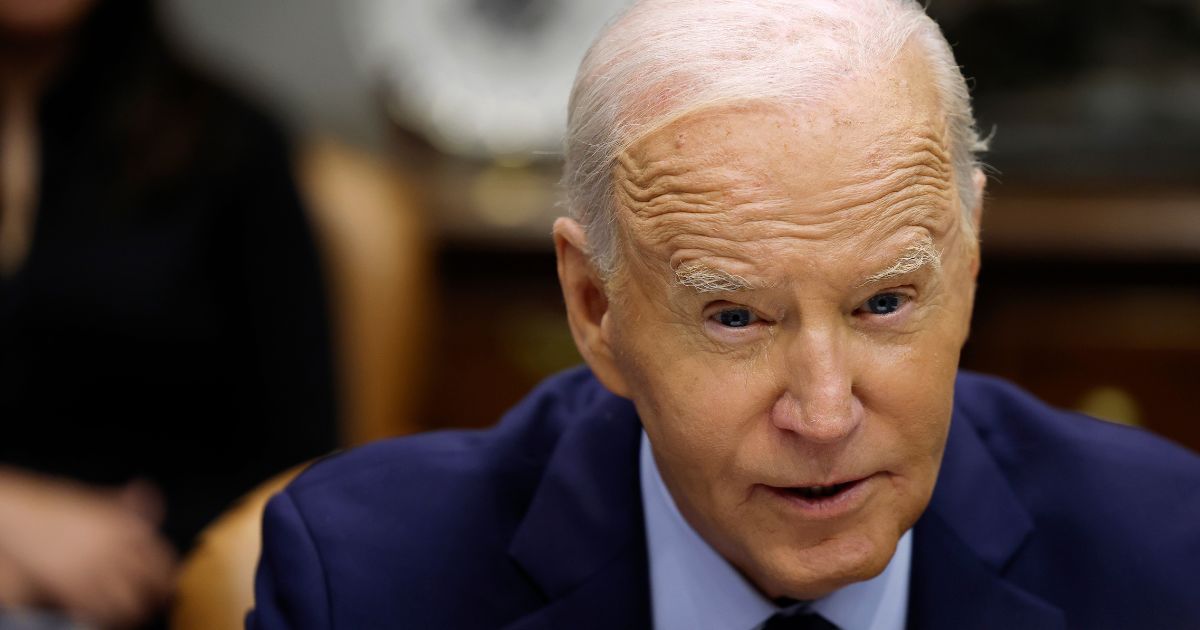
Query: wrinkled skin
[(804, 205)]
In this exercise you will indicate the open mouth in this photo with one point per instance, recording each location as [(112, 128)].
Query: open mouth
[(813, 493), (825, 501)]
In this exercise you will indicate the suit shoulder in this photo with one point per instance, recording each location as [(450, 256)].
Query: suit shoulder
[(432, 515), (442, 487), (1088, 483), (522, 440), (1111, 505), (1022, 431)]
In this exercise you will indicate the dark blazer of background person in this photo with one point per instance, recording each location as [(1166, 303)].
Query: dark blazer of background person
[(1040, 519), (169, 322)]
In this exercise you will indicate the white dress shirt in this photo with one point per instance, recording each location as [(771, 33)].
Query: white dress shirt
[(693, 588)]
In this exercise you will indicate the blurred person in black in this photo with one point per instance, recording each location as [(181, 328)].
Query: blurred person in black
[(164, 340)]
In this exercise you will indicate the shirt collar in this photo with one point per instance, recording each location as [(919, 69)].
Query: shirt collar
[(693, 587)]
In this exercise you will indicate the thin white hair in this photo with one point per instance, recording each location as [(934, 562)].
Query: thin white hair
[(705, 279), (921, 254), (663, 59)]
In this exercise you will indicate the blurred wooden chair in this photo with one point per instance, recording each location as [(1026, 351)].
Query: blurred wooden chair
[(216, 585), (376, 253)]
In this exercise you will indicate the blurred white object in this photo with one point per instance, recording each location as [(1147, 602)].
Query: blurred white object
[(295, 56), (480, 78)]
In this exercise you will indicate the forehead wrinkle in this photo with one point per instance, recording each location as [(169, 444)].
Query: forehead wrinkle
[(920, 175), (648, 204), (748, 237), (704, 202), (662, 232), (646, 185), (644, 171), (732, 234), (913, 189), (741, 241), (671, 216), (923, 143)]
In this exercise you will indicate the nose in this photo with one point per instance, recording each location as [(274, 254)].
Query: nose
[(819, 403)]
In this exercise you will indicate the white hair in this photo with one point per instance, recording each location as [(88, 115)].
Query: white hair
[(663, 59)]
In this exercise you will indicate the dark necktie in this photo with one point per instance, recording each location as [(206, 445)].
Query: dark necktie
[(798, 620)]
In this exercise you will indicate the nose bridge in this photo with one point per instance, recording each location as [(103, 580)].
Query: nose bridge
[(819, 401)]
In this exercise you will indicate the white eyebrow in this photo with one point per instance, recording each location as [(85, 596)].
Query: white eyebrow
[(918, 255), (705, 279)]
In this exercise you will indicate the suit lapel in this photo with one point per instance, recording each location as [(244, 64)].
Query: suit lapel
[(963, 542), (616, 596), (582, 540)]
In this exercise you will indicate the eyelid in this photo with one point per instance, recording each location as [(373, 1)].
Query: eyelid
[(713, 308), (906, 290), (716, 306)]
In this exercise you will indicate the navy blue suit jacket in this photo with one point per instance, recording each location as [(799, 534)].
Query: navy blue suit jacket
[(1040, 519)]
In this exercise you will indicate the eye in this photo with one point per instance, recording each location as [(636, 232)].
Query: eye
[(884, 303), (735, 317)]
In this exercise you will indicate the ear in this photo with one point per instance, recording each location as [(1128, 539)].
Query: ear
[(979, 181), (589, 312)]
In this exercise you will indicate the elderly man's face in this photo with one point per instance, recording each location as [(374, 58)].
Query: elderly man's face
[(793, 292)]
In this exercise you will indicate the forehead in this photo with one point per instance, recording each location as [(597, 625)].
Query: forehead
[(732, 181)]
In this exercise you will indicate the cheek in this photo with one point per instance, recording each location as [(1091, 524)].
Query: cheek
[(695, 406), (917, 421), (908, 408), (700, 400), (907, 392)]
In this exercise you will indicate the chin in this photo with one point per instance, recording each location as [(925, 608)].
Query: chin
[(815, 571)]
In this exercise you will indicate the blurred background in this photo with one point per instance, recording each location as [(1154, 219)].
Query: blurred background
[(340, 212), (1090, 291)]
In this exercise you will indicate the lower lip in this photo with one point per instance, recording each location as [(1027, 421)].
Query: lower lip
[(842, 503)]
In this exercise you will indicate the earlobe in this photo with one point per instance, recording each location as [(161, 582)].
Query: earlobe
[(589, 313)]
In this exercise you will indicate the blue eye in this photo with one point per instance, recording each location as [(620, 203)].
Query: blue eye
[(736, 317), (884, 303)]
